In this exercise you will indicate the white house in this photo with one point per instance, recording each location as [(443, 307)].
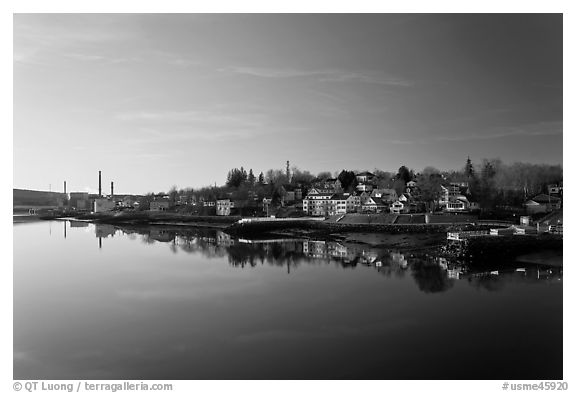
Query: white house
[(365, 177), (316, 202), (336, 204), (399, 207), (373, 204), (223, 207), (458, 204), (387, 194)]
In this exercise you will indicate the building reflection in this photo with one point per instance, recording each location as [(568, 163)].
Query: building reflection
[(431, 274)]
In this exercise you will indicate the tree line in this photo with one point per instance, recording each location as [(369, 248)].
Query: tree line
[(491, 182)]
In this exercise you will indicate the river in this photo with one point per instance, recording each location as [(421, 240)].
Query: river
[(99, 302)]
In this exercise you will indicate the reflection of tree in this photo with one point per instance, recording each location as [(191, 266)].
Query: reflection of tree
[(430, 277), (490, 283), (431, 274)]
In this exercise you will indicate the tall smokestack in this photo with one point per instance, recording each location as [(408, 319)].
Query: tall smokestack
[(99, 183), (64, 186), (112, 188)]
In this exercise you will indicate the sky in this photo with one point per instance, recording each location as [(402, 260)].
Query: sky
[(156, 100)]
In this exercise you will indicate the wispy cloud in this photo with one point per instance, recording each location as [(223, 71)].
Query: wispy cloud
[(175, 59), (159, 126), (197, 117), (528, 130), (324, 75), (99, 58), (42, 38)]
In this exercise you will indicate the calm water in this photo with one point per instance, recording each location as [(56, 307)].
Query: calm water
[(98, 302)]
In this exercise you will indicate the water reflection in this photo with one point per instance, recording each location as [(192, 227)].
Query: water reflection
[(431, 274), (162, 302)]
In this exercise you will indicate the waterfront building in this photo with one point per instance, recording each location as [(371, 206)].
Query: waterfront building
[(353, 204), (103, 205), (160, 205), (316, 202), (223, 207)]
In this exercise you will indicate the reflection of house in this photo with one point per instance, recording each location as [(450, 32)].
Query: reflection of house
[(104, 230), (161, 235), (223, 207), (315, 249), (160, 205), (78, 224), (224, 239)]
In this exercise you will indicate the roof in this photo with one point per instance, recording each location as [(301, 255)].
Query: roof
[(365, 173), (321, 190), (338, 197), (387, 191), (378, 201), (543, 198)]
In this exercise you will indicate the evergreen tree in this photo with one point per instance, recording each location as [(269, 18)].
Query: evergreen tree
[(261, 178), (469, 169), (251, 178), (404, 174)]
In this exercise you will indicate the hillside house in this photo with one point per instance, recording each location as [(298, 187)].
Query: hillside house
[(365, 177), (555, 190), (316, 202), (458, 204), (400, 207), (353, 204), (336, 204), (374, 204), (364, 180), (543, 203), (386, 194), (223, 207)]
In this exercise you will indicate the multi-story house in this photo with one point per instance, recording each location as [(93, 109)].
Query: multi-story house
[(336, 204), (353, 204), (364, 180), (316, 202), (223, 207), (373, 204), (365, 177)]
